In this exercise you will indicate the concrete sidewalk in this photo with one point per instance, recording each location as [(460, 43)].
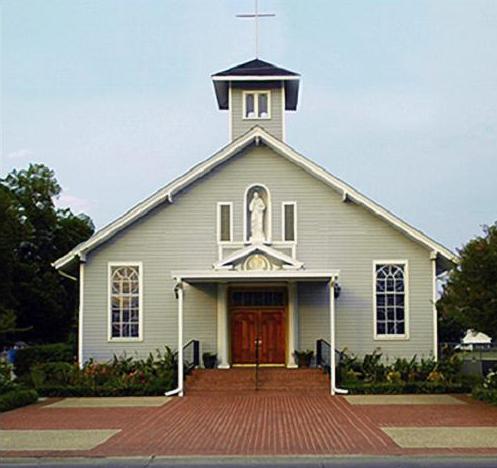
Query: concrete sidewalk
[(259, 462)]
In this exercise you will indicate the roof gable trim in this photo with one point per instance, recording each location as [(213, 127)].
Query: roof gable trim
[(257, 135), (246, 251)]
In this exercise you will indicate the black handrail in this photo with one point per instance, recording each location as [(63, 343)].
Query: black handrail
[(191, 355), (257, 363), (323, 355)]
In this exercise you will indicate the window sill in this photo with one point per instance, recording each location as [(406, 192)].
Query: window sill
[(266, 242), (125, 340), (391, 337), (256, 118)]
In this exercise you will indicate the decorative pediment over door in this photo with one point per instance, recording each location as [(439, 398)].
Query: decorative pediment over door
[(258, 257)]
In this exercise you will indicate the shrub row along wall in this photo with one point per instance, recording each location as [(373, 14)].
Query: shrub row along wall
[(485, 394), (26, 358), (402, 388), (17, 398)]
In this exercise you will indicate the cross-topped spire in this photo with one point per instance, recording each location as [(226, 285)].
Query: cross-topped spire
[(255, 16)]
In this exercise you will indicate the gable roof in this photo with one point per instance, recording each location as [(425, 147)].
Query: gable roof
[(256, 67), (256, 135)]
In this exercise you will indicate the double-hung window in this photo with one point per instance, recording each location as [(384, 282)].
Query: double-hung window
[(289, 221), (225, 222), (256, 105), (391, 301), (125, 297)]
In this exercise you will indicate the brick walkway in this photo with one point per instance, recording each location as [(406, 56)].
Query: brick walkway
[(252, 423)]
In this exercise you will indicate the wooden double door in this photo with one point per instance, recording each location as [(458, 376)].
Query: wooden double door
[(258, 334)]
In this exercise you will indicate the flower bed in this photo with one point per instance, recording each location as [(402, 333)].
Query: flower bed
[(373, 375), (122, 376), (405, 388)]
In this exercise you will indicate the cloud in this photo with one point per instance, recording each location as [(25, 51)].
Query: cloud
[(77, 204), (22, 153)]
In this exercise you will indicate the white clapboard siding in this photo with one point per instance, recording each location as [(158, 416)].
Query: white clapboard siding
[(331, 235)]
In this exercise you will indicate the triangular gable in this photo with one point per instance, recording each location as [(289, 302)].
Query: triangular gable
[(256, 135), (228, 262)]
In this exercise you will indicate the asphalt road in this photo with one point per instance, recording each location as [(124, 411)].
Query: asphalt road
[(311, 462)]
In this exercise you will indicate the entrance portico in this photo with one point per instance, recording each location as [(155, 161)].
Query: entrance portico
[(258, 305)]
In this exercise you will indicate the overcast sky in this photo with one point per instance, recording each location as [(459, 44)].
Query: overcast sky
[(398, 98)]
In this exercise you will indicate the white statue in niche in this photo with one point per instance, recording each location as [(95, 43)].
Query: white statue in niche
[(257, 208)]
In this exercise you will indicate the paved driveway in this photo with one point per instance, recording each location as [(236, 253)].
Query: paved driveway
[(257, 424)]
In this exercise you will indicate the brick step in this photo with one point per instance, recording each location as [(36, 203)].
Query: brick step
[(252, 384), (242, 380), (260, 391)]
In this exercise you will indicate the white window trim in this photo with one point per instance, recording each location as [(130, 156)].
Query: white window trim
[(111, 339), (384, 337), (268, 213), (283, 221), (218, 229), (256, 93)]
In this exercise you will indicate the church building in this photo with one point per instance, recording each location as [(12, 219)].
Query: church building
[(257, 252)]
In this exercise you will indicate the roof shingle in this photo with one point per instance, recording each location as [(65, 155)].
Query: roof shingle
[(256, 67)]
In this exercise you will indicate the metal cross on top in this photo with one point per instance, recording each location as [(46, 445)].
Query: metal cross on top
[(255, 16)]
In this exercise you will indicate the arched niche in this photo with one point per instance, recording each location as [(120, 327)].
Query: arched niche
[(263, 193)]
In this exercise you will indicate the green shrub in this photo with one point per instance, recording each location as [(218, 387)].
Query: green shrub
[(487, 391), (404, 370), (121, 376), (57, 373), (17, 398), (102, 390), (6, 383), (404, 388), (401, 373), (372, 367), (490, 381), (28, 357), (485, 394)]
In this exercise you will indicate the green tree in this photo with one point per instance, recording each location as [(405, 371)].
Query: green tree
[(43, 301), (470, 295), (9, 232)]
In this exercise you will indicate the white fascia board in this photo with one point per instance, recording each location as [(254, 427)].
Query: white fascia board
[(227, 152), (356, 196), (256, 78), (166, 193), (211, 275)]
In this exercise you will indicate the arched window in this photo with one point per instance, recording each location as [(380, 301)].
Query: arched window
[(125, 302), (390, 300)]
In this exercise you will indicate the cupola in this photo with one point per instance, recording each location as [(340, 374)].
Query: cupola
[(257, 93)]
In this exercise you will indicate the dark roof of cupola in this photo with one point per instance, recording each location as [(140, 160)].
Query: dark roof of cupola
[(257, 71), (256, 67)]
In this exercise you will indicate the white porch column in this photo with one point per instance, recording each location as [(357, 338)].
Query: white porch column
[(80, 315), (332, 338), (222, 327), (178, 290), (180, 338), (292, 325), (433, 258)]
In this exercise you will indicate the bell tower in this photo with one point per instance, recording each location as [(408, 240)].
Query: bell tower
[(256, 93)]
